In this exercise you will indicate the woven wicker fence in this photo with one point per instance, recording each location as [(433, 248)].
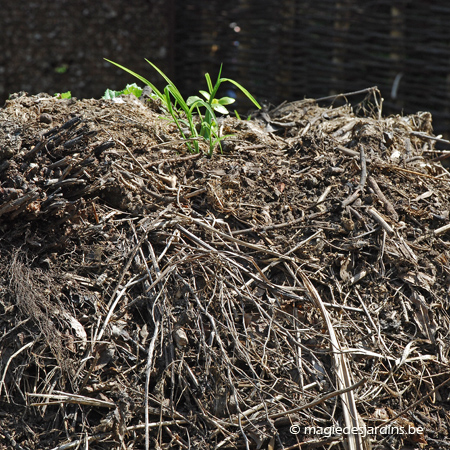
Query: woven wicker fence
[(286, 50), (280, 50), (59, 46)]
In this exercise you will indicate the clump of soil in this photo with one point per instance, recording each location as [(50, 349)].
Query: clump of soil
[(294, 283)]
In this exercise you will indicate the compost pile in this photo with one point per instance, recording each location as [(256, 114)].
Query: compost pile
[(292, 286)]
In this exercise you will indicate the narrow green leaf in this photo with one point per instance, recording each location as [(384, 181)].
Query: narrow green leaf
[(249, 96), (172, 86), (178, 97), (218, 83), (208, 82), (139, 77), (160, 72)]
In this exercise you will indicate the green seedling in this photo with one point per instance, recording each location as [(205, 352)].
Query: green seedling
[(130, 89), (62, 95), (184, 113)]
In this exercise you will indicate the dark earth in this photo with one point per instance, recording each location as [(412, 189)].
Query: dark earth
[(155, 298)]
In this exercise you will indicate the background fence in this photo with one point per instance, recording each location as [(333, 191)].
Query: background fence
[(280, 50), (57, 46)]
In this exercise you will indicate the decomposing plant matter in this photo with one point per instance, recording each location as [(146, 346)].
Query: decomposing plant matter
[(292, 287)]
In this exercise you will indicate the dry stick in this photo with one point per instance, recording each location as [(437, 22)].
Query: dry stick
[(149, 174), (357, 277), (101, 436), (286, 334), (387, 204), (324, 195), (377, 329), (282, 330), (432, 138), (381, 255), (133, 281), (126, 267), (298, 354), (319, 400), (175, 235), (206, 416), (351, 198), (156, 316), (154, 225), (355, 213), (257, 408), (349, 152), (59, 397), (304, 242), (346, 128), (155, 195), (269, 227), (376, 215), (263, 281), (181, 442), (369, 90), (21, 349), (362, 158), (157, 424), (233, 239), (163, 274), (151, 350), (157, 178), (353, 153), (194, 193), (418, 402), (280, 225), (219, 341), (408, 252), (244, 415), (441, 230), (328, 442), (343, 373), (208, 247), (176, 141), (443, 157), (177, 159), (19, 203), (198, 241), (412, 172), (132, 182)]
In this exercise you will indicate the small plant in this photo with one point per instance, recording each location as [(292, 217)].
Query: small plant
[(62, 95), (130, 89), (184, 113)]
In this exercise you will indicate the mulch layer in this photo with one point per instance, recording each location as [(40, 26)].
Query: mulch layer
[(290, 292)]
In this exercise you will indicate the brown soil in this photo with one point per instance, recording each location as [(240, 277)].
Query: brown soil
[(221, 300)]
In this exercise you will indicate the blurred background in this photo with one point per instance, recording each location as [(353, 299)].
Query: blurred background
[(278, 49)]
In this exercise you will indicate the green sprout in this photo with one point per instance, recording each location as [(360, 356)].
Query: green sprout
[(63, 95), (184, 113), (130, 89)]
